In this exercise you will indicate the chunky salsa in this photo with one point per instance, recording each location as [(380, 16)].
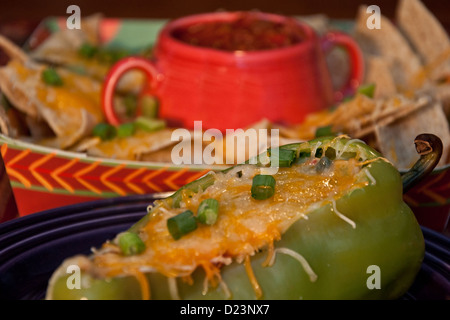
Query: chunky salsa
[(246, 33)]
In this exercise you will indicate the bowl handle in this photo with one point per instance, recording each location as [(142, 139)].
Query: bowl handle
[(113, 77), (356, 76)]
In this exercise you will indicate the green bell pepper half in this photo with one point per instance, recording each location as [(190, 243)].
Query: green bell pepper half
[(386, 235)]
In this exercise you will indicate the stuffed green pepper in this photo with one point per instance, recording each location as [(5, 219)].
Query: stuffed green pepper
[(326, 222)]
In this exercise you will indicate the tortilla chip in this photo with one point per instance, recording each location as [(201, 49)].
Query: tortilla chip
[(161, 155), (67, 138), (8, 79), (12, 50), (396, 139), (427, 35), (242, 140), (379, 74), (16, 95), (390, 111), (5, 124), (443, 94), (388, 43), (62, 49), (12, 121), (70, 110), (134, 147), (85, 144), (62, 46), (38, 129), (423, 29)]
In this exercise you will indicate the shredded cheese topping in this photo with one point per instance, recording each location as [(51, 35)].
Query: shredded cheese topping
[(143, 282), (251, 276), (173, 288), (297, 256), (370, 176), (61, 104), (343, 217), (244, 225), (225, 288)]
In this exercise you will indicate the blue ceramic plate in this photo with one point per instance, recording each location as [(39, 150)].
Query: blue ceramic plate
[(32, 247)]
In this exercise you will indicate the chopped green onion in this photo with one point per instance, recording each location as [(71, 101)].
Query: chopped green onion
[(302, 157), (105, 131), (348, 98), (51, 77), (130, 103), (181, 224), (130, 243), (367, 90), (109, 55), (324, 131), (126, 130), (285, 157), (87, 50), (149, 106), (119, 54), (208, 211), (148, 124), (323, 164), (333, 107), (263, 187), (330, 153), (78, 69), (319, 153)]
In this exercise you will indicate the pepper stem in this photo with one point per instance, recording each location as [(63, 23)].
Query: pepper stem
[(429, 147)]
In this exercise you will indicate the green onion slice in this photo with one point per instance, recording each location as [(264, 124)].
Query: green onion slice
[(148, 124), (319, 153), (130, 243), (303, 157), (149, 106), (105, 131), (87, 50), (181, 224), (368, 90), (110, 55), (285, 157), (330, 153), (126, 130), (208, 211), (130, 103), (263, 187), (51, 77)]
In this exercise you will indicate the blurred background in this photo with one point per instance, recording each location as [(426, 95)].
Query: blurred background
[(18, 18)]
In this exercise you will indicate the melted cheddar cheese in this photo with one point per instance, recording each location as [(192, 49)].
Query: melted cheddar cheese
[(132, 147), (61, 106), (244, 225)]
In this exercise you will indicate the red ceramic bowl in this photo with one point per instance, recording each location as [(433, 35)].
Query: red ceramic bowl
[(234, 89)]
